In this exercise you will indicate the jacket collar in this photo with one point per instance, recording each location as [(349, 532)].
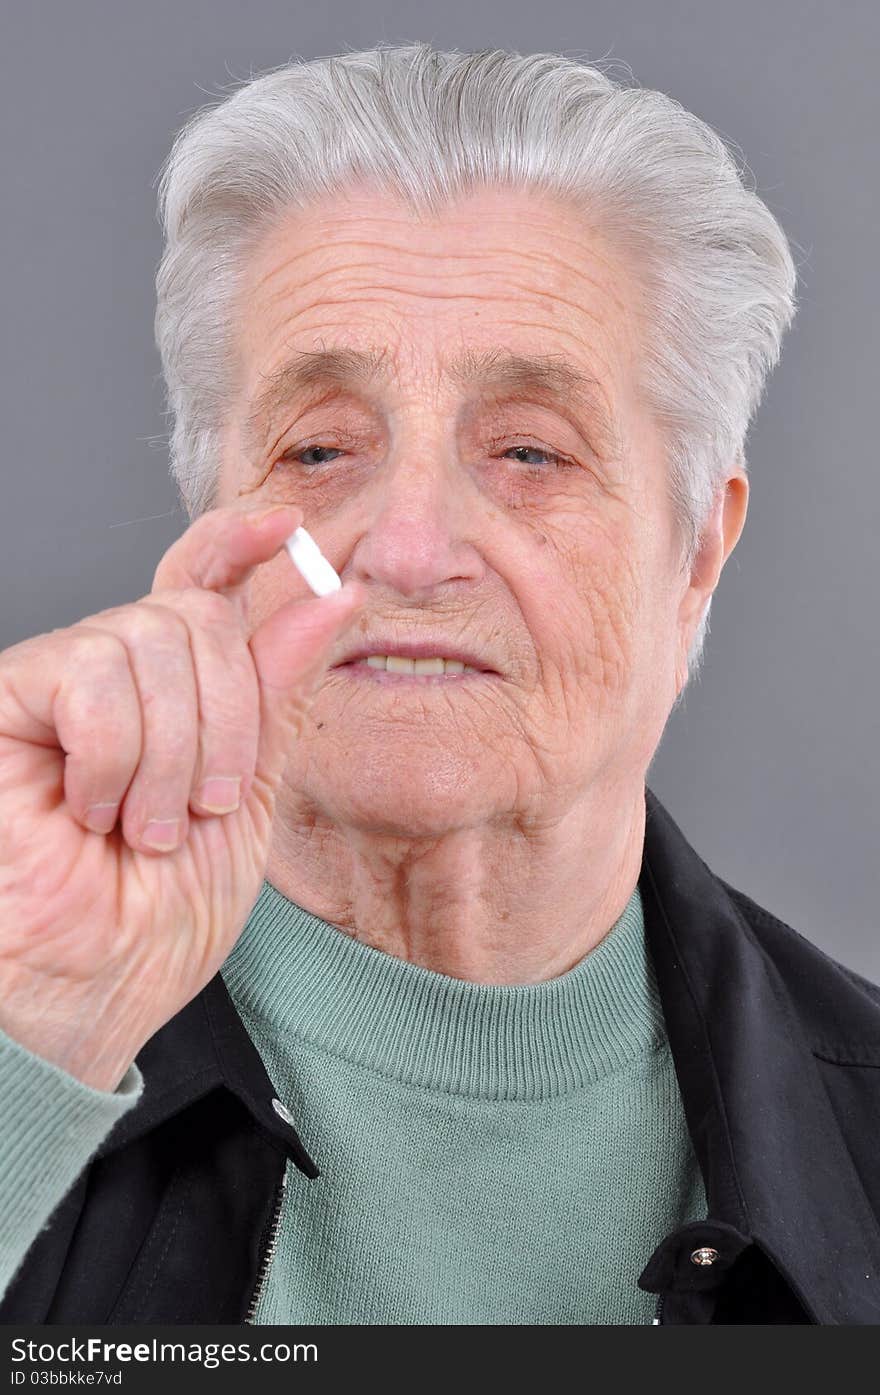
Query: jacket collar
[(203, 1047), (773, 1161), (774, 1165)]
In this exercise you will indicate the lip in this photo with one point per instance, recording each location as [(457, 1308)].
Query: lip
[(361, 670), (416, 649)]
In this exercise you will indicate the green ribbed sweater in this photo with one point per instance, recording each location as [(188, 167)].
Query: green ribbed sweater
[(488, 1154)]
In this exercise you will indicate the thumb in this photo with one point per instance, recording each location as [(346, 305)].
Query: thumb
[(291, 651)]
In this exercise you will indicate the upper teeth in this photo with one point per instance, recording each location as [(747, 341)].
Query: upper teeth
[(398, 663)]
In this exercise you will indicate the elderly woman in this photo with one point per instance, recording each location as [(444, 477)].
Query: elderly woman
[(392, 994)]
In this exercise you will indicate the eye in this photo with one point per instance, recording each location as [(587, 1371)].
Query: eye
[(558, 461), (304, 451), (301, 454)]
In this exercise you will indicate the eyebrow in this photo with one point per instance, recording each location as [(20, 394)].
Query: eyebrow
[(506, 374)]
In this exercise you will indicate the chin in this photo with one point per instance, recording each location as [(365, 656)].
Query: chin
[(403, 806)]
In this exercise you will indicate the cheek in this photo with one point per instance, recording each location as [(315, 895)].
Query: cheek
[(603, 620)]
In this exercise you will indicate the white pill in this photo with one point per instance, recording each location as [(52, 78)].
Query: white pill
[(311, 563)]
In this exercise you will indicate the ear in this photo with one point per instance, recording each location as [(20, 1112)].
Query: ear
[(719, 537)]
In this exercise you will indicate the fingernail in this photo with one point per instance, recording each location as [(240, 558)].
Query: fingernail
[(101, 817), (356, 591), (220, 795), (256, 519), (161, 834), (342, 600)]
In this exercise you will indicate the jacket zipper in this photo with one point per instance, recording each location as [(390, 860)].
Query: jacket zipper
[(657, 1319), (269, 1252)]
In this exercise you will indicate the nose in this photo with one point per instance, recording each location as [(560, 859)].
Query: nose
[(419, 533)]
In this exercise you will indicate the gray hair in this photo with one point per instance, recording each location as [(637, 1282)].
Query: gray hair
[(715, 265)]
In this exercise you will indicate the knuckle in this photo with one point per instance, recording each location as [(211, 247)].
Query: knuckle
[(156, 626), (104, 732), (197, 608), (209, 608), (100, 648), (98, 679)]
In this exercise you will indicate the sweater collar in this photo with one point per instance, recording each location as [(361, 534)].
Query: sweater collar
[(300, 976)]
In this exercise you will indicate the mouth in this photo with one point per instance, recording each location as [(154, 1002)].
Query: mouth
[(359, 670)]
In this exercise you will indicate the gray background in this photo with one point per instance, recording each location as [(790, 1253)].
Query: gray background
[(770, 766)]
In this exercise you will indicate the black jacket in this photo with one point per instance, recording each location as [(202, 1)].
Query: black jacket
[(777, 1052)]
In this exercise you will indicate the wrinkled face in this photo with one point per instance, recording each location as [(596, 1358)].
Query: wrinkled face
[(481, 463)]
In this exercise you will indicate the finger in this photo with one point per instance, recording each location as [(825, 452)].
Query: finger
[(291, 650), (154, 807), (97, 718), (228, 701), (220, 551)]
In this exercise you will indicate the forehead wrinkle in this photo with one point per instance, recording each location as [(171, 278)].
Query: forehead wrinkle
[(545, 259), (565, 235), (455, 265), (263, 277), (370, 292), (560, 221), (341, 283)]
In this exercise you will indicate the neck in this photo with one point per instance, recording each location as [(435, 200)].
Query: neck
[(503, 904)]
